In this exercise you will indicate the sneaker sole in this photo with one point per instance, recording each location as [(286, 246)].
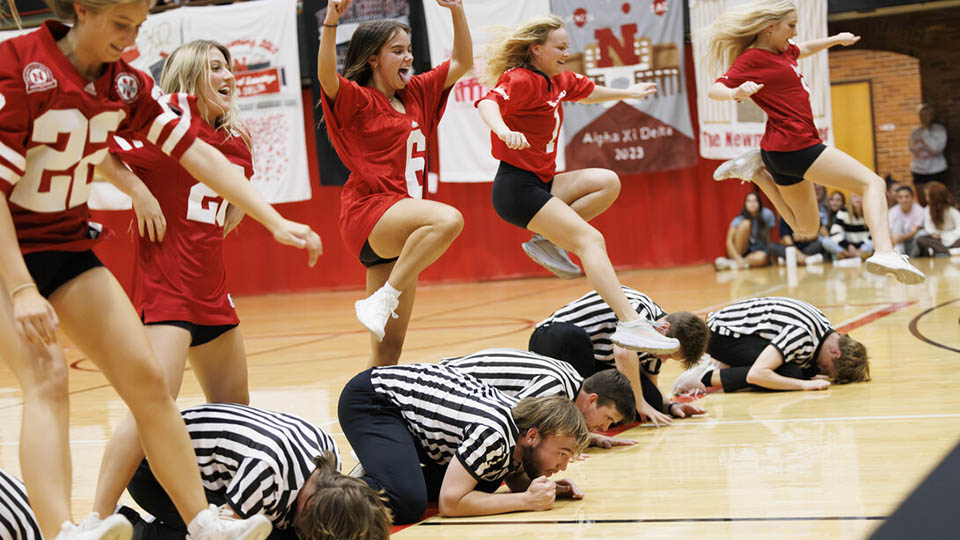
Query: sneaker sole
[(119, 531), (379, 336), (647, 349), (559, 272), (260, 531), (720, 173), (903, 275)]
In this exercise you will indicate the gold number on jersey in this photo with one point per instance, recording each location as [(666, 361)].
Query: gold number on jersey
[(48, 181), (415, 142)]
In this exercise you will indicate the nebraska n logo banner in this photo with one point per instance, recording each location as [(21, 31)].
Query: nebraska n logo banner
[(618, 43)]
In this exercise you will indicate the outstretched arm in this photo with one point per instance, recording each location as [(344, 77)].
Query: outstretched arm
[(458, 496), (816, 45), (603, 93), (149, 214), (461, 58), (490, 113), (327, 55), (762, 374)]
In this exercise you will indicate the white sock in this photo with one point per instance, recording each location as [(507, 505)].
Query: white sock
[(388, 288)]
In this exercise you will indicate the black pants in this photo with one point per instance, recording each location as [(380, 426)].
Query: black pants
[(168, 525), (570, 343), (740, 353), (390, 456)]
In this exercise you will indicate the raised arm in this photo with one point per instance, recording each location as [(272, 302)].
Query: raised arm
[(327, 55), (816, 45), (603, 93), (762, 374), (721, 92), (461, 58), (149, 214)]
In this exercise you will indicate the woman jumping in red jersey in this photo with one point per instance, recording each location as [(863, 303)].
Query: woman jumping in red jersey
[(64, 91), (378, 116), (179, 283), (752, 44), (525, 69)]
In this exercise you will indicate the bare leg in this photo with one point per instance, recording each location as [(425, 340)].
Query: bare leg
[(221, 368), (802, 198), (741, 240), (765, 182), (589, 192), (387, 352)]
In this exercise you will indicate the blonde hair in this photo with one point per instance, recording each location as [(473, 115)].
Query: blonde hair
[(510, 46), (852, 366), (187, 69), (736, 29), (10, 9), (552, 415), (63, 9)]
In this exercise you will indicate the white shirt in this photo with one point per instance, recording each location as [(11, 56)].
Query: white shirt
[(901, 223), (949, 230)]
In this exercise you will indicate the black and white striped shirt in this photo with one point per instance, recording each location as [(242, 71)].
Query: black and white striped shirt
[(17, 521), (258, 459), (452, 414), (794, 327), (520, 373), (592, 314)]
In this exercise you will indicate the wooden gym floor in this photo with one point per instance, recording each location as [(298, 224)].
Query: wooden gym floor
[(757, 465)]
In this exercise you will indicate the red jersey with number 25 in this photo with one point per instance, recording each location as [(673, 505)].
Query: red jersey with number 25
[(384, 149), (531, 104), (785, 97), (183, 278), (55, 126)]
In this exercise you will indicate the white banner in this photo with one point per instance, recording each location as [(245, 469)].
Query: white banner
[(728, 128), (464, 140)]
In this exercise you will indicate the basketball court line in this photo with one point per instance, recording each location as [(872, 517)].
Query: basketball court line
[(589, 521), (916, 331)]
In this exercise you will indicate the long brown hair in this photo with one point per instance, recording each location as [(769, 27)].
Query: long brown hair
[(939, 199), (10, 9)]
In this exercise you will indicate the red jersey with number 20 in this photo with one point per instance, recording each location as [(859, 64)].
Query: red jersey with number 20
[(384, 149), (55, 126), (531, 104), (183, 278), (785, 97)]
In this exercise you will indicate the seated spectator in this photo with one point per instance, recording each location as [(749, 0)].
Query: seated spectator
[(926, 146), (906, 223), (831, 233), (941, 221), (856, 240), (748, 236), (892, 187), (808, 253)]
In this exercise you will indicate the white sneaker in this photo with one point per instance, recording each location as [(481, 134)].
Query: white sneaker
[(723, 263), (891, 262), (744, 167), (639, 335), (548, 255), (814, 259), (691, 378), (954, 251), (375, 310), (115, 527), (213, 524)]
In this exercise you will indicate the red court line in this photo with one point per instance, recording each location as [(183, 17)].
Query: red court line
[(874, 315)]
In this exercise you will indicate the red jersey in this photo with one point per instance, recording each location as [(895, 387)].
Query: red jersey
[(530, 103), (785, 97), (183, 278), (384, 149), (55, 126)]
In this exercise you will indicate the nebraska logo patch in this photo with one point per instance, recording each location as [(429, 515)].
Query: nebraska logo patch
[(38, 77), (127, 86)]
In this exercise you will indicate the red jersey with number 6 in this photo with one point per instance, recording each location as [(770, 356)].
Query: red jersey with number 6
[(183, 278), (384, 149), (531, 104), (785, 97), (55, 126)]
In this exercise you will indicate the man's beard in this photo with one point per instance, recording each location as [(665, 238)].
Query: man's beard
[(531, 465)]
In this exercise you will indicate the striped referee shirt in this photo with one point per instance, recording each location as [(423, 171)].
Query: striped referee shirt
[(258, 459), (520, 373), (452, 414), (17, 521), (795, 328), (592, 314)]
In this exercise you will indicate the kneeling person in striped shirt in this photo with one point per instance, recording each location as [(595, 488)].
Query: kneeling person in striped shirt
[(604, 398), (429, 432), (579, 333), (776, 343), (17, 521), (254, 461)]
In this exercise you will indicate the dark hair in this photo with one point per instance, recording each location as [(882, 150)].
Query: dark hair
[(692, 333), (938, 199), (367, 41), (832, 216), (904, 187), (756, 222), (341, 507), (889, 180), (612, 387)]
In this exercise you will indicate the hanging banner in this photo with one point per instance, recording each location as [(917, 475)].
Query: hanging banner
[(618, 43), (464, 140), (728, 128)]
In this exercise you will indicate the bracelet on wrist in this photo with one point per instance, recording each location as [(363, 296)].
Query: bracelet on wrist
[(329, 25), (21, 287)]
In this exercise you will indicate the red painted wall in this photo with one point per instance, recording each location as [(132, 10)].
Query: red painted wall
[(660, 220)]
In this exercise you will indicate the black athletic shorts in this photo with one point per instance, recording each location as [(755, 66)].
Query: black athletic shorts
[(788, 168), (51, 269), (369, 258), (199, 333), (518, 194)]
